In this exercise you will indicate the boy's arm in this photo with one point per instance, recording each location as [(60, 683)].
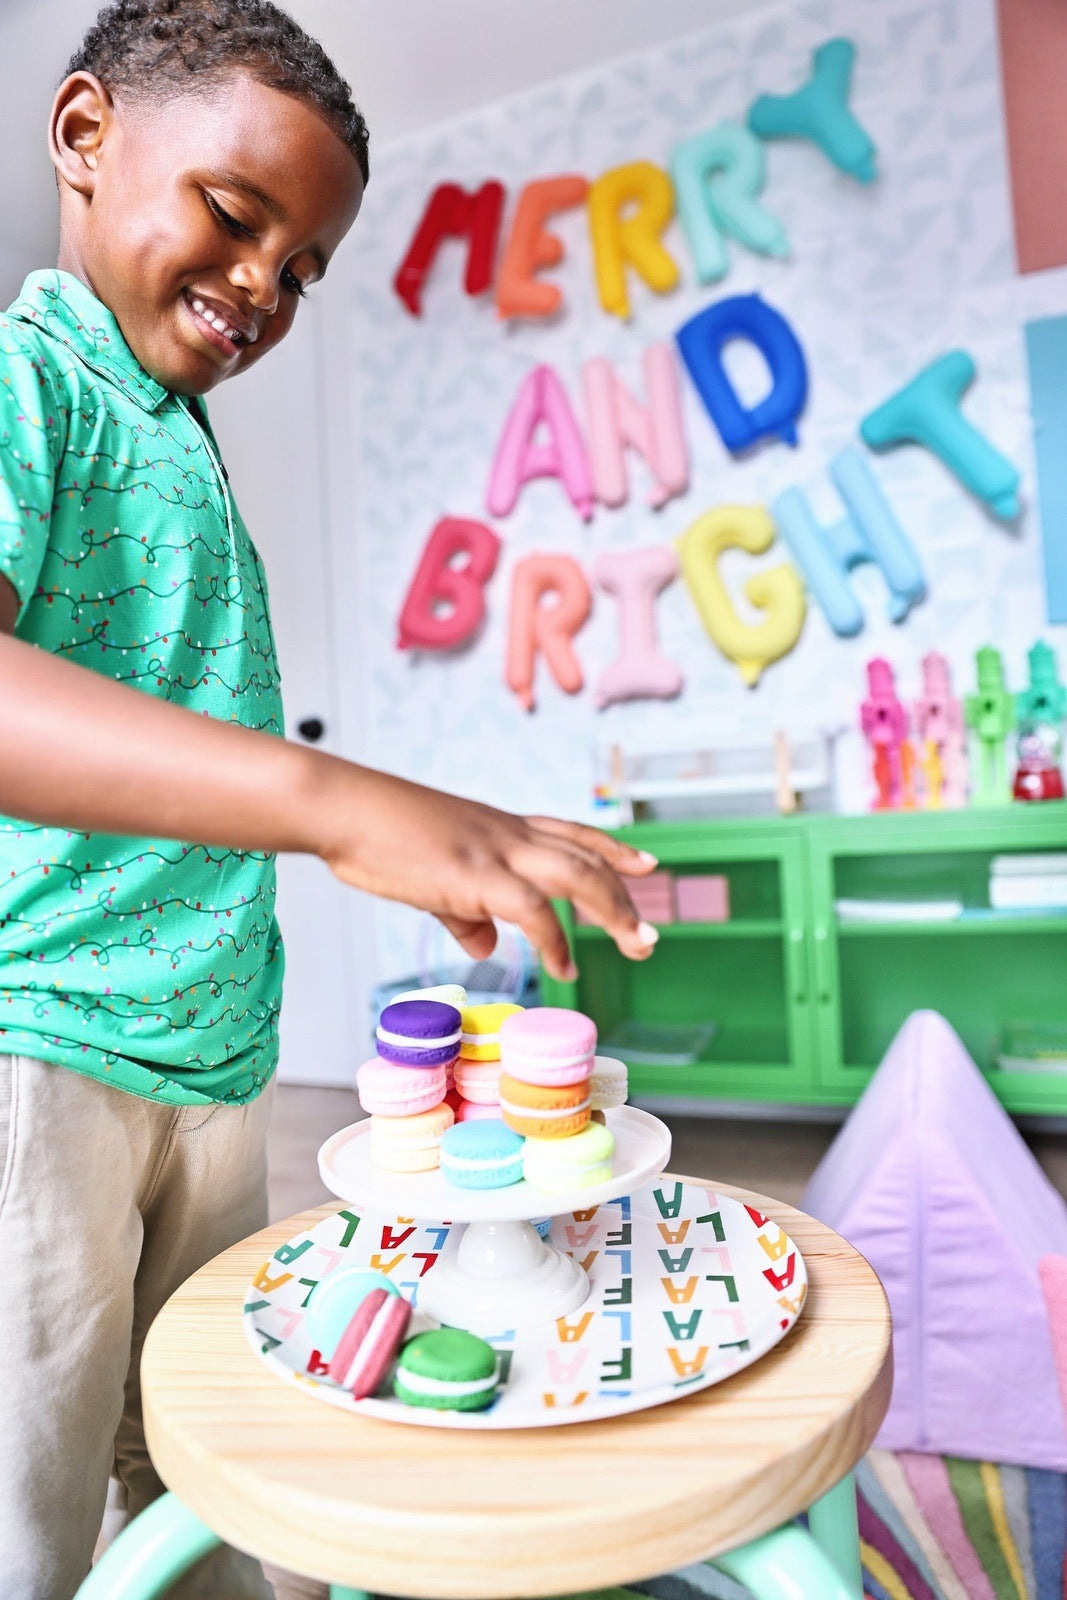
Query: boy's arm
[(82, 751)]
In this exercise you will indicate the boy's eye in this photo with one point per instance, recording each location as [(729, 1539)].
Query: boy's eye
[(291, 282), (239, 229)]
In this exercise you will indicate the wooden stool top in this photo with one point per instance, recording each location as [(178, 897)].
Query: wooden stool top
[(470, 1515)]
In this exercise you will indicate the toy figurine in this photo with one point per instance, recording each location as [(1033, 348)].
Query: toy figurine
[(1040, 709), (990, 715), (939, 724), (885, 724)]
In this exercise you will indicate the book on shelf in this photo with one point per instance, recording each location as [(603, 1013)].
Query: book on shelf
[(898, 910), (1029, 894), (1029, 864)]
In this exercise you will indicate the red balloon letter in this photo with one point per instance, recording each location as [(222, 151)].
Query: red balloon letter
[(438, 583), (451, 211)]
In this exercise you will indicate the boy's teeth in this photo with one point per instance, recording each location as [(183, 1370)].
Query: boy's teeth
[(215, 320)]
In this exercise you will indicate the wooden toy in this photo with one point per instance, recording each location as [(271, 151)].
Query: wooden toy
[(939, 725), (884, 721), (990, 715)]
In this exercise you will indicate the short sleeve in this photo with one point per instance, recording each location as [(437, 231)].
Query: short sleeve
[(30, 431)]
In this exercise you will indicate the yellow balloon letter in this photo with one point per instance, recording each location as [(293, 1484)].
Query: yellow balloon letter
[(779, 592), (633, 239)]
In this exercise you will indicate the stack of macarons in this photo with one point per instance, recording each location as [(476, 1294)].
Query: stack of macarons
[(403, 1087), (548, 1057), (361, 1326), (476, 1074)]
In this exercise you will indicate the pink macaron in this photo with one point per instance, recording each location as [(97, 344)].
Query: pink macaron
[(548, 1046), (478, 1081), (386, 1090), (367, 1348)]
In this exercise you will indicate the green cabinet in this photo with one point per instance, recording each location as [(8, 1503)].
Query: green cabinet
[(804, 1002)]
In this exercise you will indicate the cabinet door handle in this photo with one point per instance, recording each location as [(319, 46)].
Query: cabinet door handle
[(822, 964), (799, 974)]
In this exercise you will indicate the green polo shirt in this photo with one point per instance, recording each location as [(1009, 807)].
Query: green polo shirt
[(150, 964)]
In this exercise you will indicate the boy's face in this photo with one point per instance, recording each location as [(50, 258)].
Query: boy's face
[(199, 220)]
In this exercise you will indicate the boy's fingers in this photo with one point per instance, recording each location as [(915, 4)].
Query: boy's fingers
[(477, 936), (623, 857), (517, 898), (568, 871)]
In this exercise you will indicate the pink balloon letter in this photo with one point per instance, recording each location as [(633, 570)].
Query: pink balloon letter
[(549, 629), (616, 419), (635, 578), (437, 582), (542, 398)]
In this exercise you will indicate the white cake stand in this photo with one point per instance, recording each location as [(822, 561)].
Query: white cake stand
[(500, 1273)]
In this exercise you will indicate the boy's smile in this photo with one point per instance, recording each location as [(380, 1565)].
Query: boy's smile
[(200, 220)]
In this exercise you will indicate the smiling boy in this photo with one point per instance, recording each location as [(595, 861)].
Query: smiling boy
[(209, 162)]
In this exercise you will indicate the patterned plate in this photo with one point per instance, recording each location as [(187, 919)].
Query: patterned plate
[(687, 1287)]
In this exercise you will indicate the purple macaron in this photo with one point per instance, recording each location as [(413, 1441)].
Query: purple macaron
[(419, 1033)]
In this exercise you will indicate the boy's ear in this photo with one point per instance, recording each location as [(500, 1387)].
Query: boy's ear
[(81, 115)]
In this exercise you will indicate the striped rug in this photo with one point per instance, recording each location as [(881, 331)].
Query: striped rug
[(938, 1528)]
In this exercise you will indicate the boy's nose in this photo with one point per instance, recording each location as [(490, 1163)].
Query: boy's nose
[(260, 285)]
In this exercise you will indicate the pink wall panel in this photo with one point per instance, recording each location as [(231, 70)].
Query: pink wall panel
[(1033, 55)]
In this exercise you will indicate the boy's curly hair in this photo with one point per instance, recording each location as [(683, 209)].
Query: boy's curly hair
[(160, 46)]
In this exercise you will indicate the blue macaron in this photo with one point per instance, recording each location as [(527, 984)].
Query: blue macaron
[(482, 1155)]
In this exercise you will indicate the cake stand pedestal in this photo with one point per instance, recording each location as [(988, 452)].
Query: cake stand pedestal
[(499, 1272)]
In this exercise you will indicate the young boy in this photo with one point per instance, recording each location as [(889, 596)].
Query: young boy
[(209, 162)]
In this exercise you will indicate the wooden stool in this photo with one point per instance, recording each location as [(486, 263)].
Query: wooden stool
[(470, 1515)]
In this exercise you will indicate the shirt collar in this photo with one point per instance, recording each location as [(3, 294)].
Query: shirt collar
[(64, 308)]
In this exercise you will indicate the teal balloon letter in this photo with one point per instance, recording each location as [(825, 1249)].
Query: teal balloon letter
[(717, 175), (819, 111)]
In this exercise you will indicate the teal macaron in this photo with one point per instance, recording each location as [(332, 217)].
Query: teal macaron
[(447, 1369), (482, 1155), (333, 1302)]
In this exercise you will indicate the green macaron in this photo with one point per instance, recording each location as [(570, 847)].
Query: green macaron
[(448, 1370)]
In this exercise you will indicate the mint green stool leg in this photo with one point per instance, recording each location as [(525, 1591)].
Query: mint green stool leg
[(155, 1550), (338, 1591), (833, 1524), (785, 1565)]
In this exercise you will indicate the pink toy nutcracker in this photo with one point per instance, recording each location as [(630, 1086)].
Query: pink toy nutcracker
[(884, 721), (938, 717)]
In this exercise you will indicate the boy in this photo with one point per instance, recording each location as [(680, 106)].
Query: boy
[(209, 162)]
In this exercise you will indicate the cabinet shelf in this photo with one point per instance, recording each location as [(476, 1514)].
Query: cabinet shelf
[(739, 928), (806, 1005)]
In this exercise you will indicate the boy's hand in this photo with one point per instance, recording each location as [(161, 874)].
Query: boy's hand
[(468, 863)]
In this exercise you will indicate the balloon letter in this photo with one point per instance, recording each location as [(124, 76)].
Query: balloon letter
[(927, 412), (542, 398), (779, 592), (534, 626), (869, 532), (451, 211), (819, 111), (701, 341), (438, 583), (633, 239), (635, 578), (615, 419), (717, 176), (530, 246)]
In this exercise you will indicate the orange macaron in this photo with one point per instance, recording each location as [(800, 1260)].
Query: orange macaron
[(541, 1111)]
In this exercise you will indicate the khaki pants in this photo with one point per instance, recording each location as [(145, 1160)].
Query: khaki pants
[(107, 1203)]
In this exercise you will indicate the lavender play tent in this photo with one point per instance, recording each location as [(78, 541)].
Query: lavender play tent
[(931, 1180)]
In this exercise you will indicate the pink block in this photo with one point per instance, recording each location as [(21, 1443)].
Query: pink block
[(703, 899)]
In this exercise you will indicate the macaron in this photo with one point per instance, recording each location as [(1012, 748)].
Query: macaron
[(559, 1165), (480, 1036), (333, 1301), (540, 1112), (482, 1155), (548, 1045), (472, 1110), (447, 1369), (418, 1033), (387, 1090), (449, 994), (609, 1084), (477, 1080), (368, 1347), (409, 1144)]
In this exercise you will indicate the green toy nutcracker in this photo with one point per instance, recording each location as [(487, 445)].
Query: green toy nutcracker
[(1040, 709), (990, 715)]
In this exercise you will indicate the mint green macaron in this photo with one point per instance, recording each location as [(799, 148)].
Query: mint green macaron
[(447, 1370)]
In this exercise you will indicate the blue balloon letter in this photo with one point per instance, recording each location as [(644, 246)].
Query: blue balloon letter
[(701, 341)]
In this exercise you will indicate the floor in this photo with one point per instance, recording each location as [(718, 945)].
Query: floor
[(773, 1157)]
